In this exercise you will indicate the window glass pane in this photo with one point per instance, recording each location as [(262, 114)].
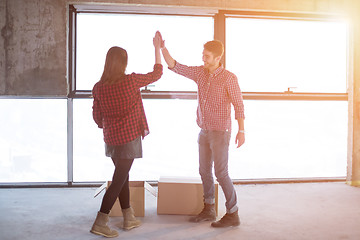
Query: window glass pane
[(90, 163), (169, 150), (292, 139), (284, 139), (96, 33), (33, 140), (273, 55)]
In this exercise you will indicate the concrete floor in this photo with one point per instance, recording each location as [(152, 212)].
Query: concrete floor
[(268, 212)]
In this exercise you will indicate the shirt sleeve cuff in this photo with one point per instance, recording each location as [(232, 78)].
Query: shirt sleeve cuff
[(240, 115), (158, 65)]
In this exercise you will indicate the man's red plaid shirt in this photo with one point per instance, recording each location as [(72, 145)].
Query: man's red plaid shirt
[(216, 93), (118, 108)]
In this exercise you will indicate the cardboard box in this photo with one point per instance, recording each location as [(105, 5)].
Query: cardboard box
[(137, 197), (183, 196)]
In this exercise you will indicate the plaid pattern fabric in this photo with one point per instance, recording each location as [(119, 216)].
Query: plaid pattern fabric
[(216, 93), (118, 108)]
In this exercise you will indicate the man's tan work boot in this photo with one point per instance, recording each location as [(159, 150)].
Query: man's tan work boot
[(228, 220)]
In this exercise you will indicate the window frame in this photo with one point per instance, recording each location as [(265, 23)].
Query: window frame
[(219, 34)]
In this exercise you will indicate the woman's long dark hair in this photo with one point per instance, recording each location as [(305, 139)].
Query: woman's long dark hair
[(115, 65)]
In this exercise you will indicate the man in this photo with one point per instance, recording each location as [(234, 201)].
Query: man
[(217, 90)]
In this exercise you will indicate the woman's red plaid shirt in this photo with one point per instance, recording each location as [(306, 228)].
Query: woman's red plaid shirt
[(118, 108)]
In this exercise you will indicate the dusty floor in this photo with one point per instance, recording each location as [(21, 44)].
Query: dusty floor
[(268, 212)]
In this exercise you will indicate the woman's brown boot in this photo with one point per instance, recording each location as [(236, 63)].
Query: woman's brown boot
[(100, 226), (129, 219)]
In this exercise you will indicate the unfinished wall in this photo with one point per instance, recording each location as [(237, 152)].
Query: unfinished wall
[(33, 47), (325, 6), (2, 48)]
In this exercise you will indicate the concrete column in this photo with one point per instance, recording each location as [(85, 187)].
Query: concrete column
[(353, 171)]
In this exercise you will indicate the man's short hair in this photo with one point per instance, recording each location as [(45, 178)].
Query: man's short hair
[(215, 46)]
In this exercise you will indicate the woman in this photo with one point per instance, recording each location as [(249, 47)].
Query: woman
[(119, 111)]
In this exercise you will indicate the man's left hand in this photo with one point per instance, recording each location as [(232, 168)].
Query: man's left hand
[(240, 139)]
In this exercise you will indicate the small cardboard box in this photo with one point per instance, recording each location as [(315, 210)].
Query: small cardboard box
[(137, 197), (183, 196)]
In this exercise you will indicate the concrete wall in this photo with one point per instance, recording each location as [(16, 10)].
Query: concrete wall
[(328, 6), (33, 47), (33, 58)]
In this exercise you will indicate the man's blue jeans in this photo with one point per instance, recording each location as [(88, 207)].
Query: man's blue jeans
[(214, 148)]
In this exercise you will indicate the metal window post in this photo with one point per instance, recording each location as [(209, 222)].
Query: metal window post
[(70, 135)]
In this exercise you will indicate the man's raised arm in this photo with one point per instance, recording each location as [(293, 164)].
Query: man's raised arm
[(168, 59)]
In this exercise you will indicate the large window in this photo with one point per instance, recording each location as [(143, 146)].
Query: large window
[(284, 139), (291, 68), (274, 55), (292, 139), (96, 33), (169, 150), (33, 140)]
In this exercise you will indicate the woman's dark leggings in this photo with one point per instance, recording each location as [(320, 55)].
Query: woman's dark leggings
[(119, 186)]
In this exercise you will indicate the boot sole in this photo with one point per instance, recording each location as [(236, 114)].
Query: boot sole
[(224, 226), (202, 220), (129, 228), (102, 234)]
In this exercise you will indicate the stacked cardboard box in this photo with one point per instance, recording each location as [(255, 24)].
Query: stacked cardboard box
[(183, 196), (137, 197)]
